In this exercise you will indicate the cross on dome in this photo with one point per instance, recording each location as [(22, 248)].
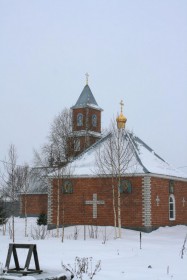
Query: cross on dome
[(122, 104), (121, 119)]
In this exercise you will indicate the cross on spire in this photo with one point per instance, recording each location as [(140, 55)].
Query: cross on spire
[(87, 76)]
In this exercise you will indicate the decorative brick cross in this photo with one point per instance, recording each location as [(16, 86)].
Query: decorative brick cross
[(157, 200), (183, 202), (94, 202)]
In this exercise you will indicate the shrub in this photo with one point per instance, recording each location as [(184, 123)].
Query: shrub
[(3, 217), (42, 220)]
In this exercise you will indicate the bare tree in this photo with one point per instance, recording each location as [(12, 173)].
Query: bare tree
[(59, 148), (55, 156), (114, 157), (10, 183), (60, 133), (60, 171)]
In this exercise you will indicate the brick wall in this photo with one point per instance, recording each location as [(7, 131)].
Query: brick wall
[(87, 119), (73, 209), (35, 204), (160, 211)]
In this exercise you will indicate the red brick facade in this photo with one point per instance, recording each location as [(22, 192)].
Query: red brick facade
[(36, 204), (73, 209), (77, 212), (160, 211), (87, 119), (86, 133)]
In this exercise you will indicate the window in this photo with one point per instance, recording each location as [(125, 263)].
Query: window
[(79, 119), (67, 187), (94, 120), (77, 145), (171, 207), (125, 186), (171, 187)]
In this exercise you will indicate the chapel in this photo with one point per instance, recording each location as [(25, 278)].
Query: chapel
[(152, 192)]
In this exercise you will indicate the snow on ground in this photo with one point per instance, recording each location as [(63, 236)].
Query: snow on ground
[(120, 258)]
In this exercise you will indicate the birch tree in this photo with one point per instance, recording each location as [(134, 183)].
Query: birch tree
[(114, 158), (24, 182)]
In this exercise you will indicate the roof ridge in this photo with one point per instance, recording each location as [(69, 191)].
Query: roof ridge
[(148, 147), (129, 135)]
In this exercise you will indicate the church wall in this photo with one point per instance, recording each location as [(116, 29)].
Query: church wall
[(36, 204), (77, 212), (131, 210), (160, 209)]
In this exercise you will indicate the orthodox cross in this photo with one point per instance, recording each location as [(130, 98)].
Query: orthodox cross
[(122, 104), (157, 200), (87, 76), (183, 202), (94, 202)]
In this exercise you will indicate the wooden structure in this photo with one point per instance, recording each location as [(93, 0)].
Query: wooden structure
[(25, 270)]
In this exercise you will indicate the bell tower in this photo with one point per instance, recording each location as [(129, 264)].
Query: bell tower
[(86, 120)]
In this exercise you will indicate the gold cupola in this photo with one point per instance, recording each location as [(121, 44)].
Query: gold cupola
[(121, 119)]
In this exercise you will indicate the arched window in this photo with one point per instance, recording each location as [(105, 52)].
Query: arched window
[(172, 213), (94, 120), (79, 119)]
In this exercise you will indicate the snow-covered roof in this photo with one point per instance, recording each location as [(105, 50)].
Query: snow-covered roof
[(147, 161)]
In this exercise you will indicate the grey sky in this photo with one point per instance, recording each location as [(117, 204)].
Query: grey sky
[(133, 50)]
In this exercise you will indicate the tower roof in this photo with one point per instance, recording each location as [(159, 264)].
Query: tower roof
[(86, 99)]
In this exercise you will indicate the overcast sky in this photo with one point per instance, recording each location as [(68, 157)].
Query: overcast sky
[(134, 50)]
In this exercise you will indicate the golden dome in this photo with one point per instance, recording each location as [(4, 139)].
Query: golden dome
[(121, 119)]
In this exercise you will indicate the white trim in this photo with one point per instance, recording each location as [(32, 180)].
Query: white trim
[(127, 175), (84, 132), (34, 193), (49, 204), (146, 201)]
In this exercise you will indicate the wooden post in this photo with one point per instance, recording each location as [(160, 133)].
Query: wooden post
[(25, 270), (140, 240)]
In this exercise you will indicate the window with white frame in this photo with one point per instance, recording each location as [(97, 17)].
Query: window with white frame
[(172, 212)]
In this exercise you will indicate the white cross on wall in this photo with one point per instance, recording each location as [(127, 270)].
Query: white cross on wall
[(157, 200), (95, 202), (183, 202)]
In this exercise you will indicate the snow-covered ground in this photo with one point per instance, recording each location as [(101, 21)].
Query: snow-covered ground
[(159, 258)]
